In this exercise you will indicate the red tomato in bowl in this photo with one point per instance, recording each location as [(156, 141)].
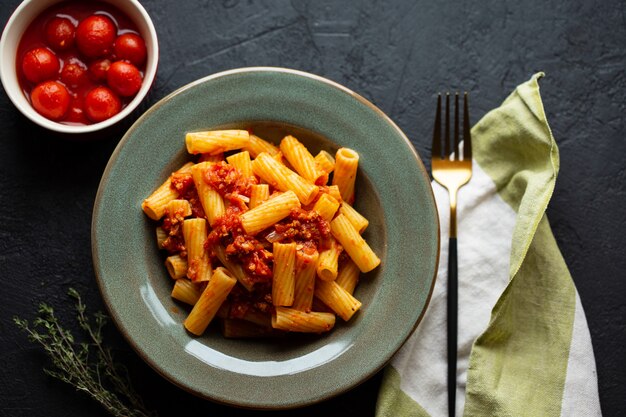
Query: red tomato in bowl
[(124, 78), (95, 36), (40, 64), (73, 74), (51, 99), (60, 33), (98, 69), (101, 103), (130, 47), (74, 43)]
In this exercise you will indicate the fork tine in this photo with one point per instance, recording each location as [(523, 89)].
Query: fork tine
[(467, 136), (457, 124), (446, 134), (436, 148)]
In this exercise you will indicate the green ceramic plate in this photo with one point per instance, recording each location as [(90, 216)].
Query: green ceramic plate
[(393, 191)]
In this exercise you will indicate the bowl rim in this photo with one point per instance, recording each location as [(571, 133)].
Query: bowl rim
[(26, 108), (115, 315)]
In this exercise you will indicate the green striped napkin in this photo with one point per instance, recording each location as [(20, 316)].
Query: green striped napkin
[(524, 347)]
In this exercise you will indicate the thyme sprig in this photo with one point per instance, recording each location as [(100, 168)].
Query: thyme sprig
[(87, 365)]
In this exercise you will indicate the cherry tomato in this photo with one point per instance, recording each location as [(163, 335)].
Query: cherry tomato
[(73, 74), (101, 103), (95, 36), (50, 99), (98, 69), (130, 47), (40, 64), (124, 78), (60, 33)]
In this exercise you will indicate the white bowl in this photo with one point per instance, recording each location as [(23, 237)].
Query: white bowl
[(26, 12)]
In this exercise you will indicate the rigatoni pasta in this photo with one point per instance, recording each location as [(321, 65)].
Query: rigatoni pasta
[(284, 179), (359, 221), (210, 301), (211, 200), (358, 249), (348, 276), (300, 159), (299, 321), (186, 291), (156, 204), (198, 262), (216, 141), (328, 262), (242, 162), (270, 212), (325, 161), (176, 266), (258, 194), (286, 245), (256, 145), (284, 277), (346, 164), (306, 268), (337, 298)]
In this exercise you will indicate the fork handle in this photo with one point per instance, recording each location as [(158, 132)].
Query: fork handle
[(452, 324)]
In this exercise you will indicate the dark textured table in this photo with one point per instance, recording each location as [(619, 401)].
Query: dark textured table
[(398, 54)]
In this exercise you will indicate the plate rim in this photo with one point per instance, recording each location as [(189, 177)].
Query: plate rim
[(115, 315)]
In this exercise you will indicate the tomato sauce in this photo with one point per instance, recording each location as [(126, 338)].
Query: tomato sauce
[(35, 37), (230, 183), (183, 183), (173, 226), (253, 254), (306, 228)]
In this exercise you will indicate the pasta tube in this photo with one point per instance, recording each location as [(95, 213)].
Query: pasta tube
[(348, 276), (256, 146), (199, 264), (357, 248), (186, 291), (161, 235), (212, 202), (328, 262), (325, 161), (359, 222), (258, 194), (338, 299), (210, 301), (326, 206), (305, 280), (346, 164), (268, 213), (179, 208), (176, 266), (334, 192), (216, 141), (300, 321), (154, 206), (283, 281), (234, 268), (283, 179), (242, 162), (300, 158)]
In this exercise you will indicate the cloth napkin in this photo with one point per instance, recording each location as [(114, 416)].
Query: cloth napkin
[(523, 344)]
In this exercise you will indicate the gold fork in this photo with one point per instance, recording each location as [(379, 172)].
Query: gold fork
[(452, 172)]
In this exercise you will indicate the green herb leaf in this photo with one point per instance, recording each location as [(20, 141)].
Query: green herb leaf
[(88, 365)]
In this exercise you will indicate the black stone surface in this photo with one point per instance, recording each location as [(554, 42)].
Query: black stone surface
[(398, 54)]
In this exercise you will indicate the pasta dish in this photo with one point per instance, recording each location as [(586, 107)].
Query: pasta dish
[(263, 238)]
